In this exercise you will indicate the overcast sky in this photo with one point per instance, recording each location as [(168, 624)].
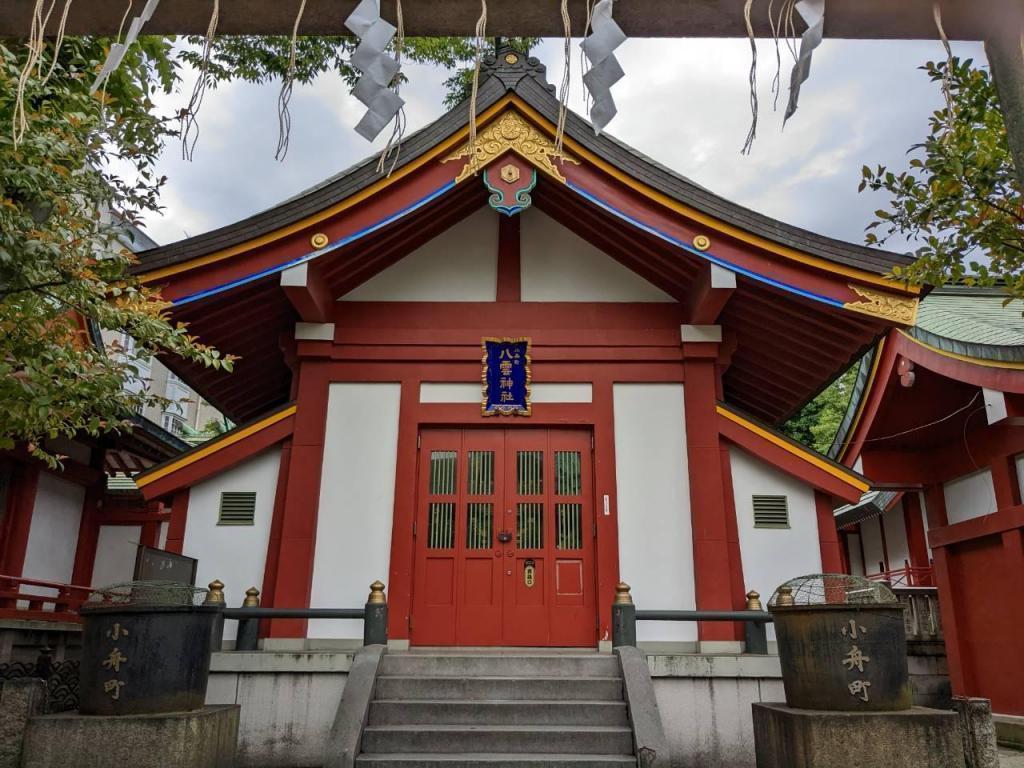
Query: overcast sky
[(682, 102)]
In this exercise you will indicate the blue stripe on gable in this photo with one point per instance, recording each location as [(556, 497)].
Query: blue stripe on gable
[(702, 254), (316, 254)]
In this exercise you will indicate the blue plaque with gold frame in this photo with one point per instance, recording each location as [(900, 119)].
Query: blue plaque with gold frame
[(506, 377)]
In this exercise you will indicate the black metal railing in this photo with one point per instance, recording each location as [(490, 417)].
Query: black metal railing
[(374, 616), (625, 616)]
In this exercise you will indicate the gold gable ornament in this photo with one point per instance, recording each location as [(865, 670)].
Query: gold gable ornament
[(887, 306), (511, 131)]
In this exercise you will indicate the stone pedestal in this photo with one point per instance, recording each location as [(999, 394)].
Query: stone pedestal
[(204, 738), (803, 738)]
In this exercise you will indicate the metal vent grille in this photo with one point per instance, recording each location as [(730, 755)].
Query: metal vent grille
[(237, 508), (771, 511)]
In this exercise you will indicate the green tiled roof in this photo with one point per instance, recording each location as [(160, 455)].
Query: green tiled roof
[(974, 317)]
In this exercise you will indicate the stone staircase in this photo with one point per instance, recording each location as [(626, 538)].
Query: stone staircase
[(556, 710)]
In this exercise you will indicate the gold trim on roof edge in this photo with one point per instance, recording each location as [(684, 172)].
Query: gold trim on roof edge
[(511, 131), (887, 306)]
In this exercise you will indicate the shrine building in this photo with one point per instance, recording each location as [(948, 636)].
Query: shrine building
[(937, 421), (501, 378)]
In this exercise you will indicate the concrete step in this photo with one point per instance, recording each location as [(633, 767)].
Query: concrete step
[(492, 688), (535, 739), (473, 665), (441, 760), (497, 712)]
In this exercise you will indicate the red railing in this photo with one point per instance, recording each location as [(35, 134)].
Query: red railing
[(22, 599), (906, 576)]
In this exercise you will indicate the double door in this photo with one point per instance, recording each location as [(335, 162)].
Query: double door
[(504, 538)]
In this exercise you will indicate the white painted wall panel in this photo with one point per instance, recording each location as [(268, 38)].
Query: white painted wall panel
[(357, 500), (116, 548), (559, 265), (235, 554), (460, 264), (970, 496), (871, 536), (896, 536), (655, 539), (853, 552), (549, 392), (53, 535), (772, 556)]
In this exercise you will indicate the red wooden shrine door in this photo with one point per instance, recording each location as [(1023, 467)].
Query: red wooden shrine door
[(504, 539)]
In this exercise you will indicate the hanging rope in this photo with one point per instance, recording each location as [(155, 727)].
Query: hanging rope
[(947, 76), (481, 31), (189, 116), (563, 94), (35, 44), (58, 41), (398, 130), (284, 115), (752, 133)]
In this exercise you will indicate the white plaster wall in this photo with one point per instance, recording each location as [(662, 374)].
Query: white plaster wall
[(460, 264), (53, 535), (924, 518), (116, 548), (655, 538), (970, 496), (235, 554), (896, 536), (559, 265), (357, 500), (772, 556), (871, 535), (853, 553), (457, 392)]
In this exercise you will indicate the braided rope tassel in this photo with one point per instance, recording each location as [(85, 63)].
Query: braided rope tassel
[(35, 51), (752, 133), (398, 131), (189, 116), (284, 115), (563, 93), (481, 34)]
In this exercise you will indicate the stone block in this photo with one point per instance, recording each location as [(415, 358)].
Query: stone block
[(802, 738), (204, 738), (1009, 730), (20, 700)]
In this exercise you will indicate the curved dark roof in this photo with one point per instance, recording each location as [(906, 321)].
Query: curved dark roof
[(526, 78)]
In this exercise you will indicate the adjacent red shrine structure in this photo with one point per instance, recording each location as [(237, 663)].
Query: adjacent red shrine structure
[(939, 420), (669, 330)]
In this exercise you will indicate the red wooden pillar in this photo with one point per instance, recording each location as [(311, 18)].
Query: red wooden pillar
[(88, 535), (276, 523), (913, 521), (828, 536), (21, 500), (949, 611), (935, 506), (297, 546), (708, 506), (1005, 482), (150, 534), (179, 518)]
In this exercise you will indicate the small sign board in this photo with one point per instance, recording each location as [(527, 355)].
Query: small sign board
[(153, 564), (506, 377)]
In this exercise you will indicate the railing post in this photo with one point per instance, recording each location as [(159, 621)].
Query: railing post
[(375, 623), (755, 632), (215, 598), (623, 617), (249, 629)]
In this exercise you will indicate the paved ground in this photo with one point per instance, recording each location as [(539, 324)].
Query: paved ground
[(1009, 758)]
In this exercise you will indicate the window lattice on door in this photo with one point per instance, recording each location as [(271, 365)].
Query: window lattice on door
[(480, 481), (569, 526), (479, 525), (441, 533), (441, 514), (530, 526), (568, 473), (529, 473)]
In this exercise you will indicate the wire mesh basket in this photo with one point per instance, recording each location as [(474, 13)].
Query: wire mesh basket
[(831, 589), (147, 593)]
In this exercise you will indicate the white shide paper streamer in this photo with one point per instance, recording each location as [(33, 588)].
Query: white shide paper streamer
[(117, 50), (378, 69), (813, 14), (606, 35)]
